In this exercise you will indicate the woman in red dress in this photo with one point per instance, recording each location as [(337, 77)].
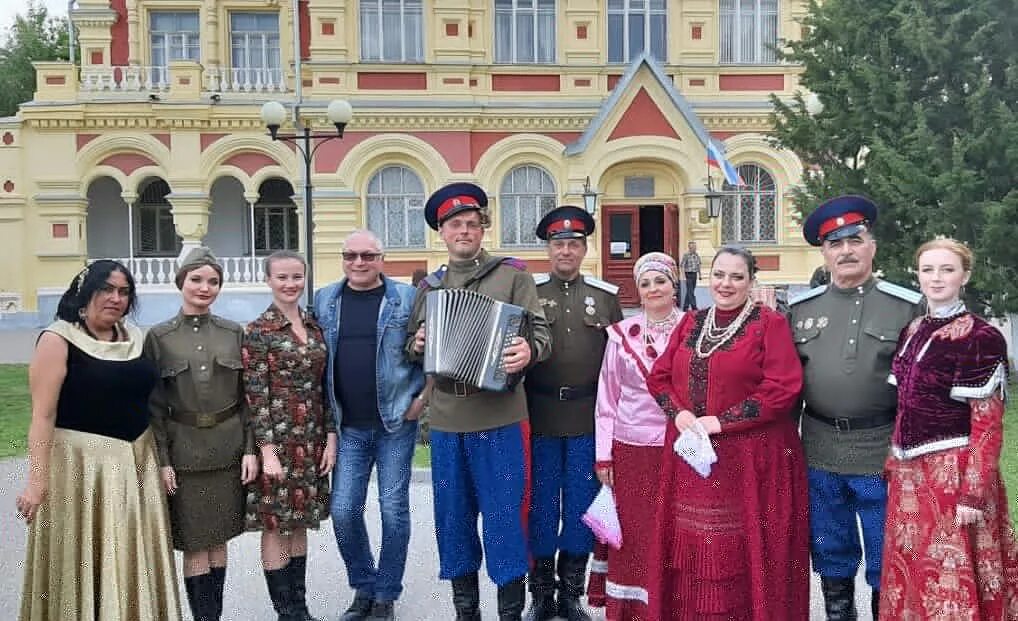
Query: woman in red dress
[(949, 548), (733, 545)]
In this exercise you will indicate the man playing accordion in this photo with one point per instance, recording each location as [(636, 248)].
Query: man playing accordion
[(478, 437)]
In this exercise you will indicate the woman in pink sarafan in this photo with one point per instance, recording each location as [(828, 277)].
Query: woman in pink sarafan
[(949, 546), (630, 429)]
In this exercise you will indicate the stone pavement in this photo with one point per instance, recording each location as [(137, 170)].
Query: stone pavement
[(425, 597)]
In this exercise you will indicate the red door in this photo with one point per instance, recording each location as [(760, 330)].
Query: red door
[(620, 248)]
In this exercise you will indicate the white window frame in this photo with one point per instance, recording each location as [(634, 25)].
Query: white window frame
[(732, 205), (189, 41), (538, 9), (407, 8), (510, 199), (408, 198), (649, 14), (266, 70), (733, 37)]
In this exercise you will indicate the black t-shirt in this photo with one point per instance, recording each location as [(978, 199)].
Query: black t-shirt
[(355, 363)]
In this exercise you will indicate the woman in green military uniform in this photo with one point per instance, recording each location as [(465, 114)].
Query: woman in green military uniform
[(205, 447)]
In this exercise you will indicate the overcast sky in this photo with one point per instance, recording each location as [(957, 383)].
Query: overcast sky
[(10, 8)]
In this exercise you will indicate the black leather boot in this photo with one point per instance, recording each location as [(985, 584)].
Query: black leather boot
[(200, 596), (383, 611), (219, 573), (839, 598), (542, 591), (359, 609), (298, 584), (281, 593), (511, 598), (875, 604), (466, 597), (572, 576)]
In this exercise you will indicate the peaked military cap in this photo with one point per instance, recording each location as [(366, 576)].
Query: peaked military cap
[(566, 222), (199, 256), (843, 216), (452, 199)]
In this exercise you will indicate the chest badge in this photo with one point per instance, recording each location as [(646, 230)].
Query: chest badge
[(822, 322), (808, 323), (590, 310), (547, 302)]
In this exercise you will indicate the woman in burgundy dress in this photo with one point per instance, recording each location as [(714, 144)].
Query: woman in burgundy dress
[(735, 544), (949, 548), (284, 358)]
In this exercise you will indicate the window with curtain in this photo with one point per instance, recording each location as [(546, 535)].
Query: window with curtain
[(172, 36), (749, 213), (392, 31), (155, 234), (749, 31), (254, 41), (396, 207), (527, 194), (275, 218), (636, 26), (524, 31)]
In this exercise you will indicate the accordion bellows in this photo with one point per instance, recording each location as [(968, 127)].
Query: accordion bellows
[(466, 335)]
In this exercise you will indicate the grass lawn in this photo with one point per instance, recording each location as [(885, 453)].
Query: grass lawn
[(422, 456), (15, 409)]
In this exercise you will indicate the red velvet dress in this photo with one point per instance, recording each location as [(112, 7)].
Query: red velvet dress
[(945, 451), (733, 546)]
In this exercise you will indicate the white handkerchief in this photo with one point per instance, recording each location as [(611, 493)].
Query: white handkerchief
[(694, 446)]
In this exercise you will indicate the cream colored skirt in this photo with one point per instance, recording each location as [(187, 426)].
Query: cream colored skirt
[(100, 546)]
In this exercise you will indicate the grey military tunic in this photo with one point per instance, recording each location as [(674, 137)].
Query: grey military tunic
[(561, 391), (846, 339), (200, 424)]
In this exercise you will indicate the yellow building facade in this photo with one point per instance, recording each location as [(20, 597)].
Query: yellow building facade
[(152, 142)]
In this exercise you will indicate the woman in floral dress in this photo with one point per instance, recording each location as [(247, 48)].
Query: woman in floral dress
[(284, 359), (949, 548)]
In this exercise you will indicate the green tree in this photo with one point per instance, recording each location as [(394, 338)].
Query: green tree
[(919, 104), (34, 36)]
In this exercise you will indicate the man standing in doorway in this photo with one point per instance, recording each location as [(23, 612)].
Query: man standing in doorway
[(478, 463), (846, 333), (375, 396), (690, 266), (561, 392)]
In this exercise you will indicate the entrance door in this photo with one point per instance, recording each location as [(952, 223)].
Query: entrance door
[(629, 232)]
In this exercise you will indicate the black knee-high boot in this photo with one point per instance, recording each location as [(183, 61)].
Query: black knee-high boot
[(281, 593), (875, 604), (201, 597), (572, 576), (298, 582), (466, 597), (219, 575), (511, 598), (839, 598), (542, 590)]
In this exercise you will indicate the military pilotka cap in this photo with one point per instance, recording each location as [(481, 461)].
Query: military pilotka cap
[(452, 199), (566, 222), (198, 257), (838, 218)]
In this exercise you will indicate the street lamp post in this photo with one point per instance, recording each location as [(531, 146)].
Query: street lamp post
[(714, 199), (339, 114), (589, 197)]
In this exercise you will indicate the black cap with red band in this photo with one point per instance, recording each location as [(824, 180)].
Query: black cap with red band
[(566, 222), (840, 217), (452, 199)]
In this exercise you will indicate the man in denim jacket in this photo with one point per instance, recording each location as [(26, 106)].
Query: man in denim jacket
[(375, 395)]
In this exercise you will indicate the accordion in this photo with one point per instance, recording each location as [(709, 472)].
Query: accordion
[(466, 334)]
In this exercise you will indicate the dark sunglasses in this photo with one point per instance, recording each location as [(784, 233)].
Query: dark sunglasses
[(367, 257)]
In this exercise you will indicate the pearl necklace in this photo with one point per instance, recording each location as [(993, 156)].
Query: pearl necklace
[(717, 337), (653, 329)]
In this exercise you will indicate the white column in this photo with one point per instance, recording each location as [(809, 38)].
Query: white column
[(251, 199), (130, 198)]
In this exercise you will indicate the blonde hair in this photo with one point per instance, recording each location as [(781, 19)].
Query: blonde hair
[(950, 244)]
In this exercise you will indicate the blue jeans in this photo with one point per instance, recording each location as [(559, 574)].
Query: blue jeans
[(360, 450)]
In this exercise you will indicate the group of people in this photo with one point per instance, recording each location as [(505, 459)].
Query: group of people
[(857, 405)]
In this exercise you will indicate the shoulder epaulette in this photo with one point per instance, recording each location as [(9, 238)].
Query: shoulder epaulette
[(603, 285), (165, 327), (806, 295), (432, 280), (223, 322), (513, 262), (902, 293), (542, 278)]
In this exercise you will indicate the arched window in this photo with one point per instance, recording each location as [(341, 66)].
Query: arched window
[(749, 212), (396, 207), (527, 193), (154, 232), (275, 218)]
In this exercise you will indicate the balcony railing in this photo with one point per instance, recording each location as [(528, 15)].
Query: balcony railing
[(142, 79), (161, 270), (234, 80)]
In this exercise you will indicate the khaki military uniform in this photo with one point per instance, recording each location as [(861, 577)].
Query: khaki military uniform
[(200, 423)]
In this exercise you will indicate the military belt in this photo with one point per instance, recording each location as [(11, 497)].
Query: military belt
[(203, 420), (564, 393), (853, 424), (455, 387)]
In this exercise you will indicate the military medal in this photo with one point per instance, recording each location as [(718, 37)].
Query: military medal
[(590, 310), (822, 322), (589, 300)]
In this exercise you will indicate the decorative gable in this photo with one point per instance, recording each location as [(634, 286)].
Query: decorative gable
[(643, 117)]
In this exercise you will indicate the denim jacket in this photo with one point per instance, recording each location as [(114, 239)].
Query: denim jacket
[(397, 379)]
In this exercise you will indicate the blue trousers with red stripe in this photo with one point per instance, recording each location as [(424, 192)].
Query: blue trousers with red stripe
[(479, 473), (562, 489), (834, 501)]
